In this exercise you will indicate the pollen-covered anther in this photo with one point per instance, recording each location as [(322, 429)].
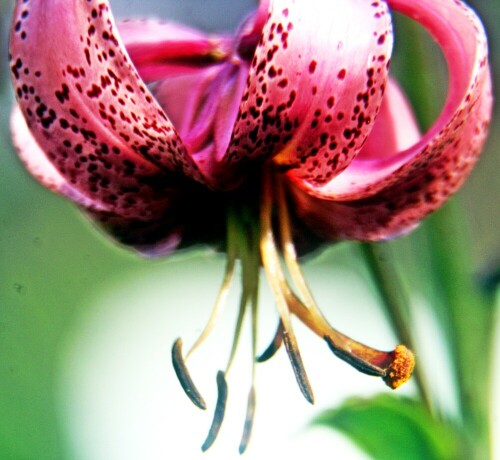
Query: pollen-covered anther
[(401, 368), (184, 377)]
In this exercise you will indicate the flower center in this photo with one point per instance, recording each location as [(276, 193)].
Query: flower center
[(267, 242)]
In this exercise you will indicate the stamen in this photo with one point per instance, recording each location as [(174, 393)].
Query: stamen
[(355, 361), (276, 279), (274, 346), (237, 329), (393, 367), (219, 304), (178, 361), (401, 367), (220, 410), (253, 265), (245, 249), (247, 430), (184, 378), (288, 248)]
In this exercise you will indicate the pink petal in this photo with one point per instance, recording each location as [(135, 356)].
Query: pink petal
[(41, 168), (203, 105), (315, 86), (89, 111), (394, 130), (466, 56), (200, 81), (182, 95), (152, 238), (420, 179), (251, 30), (216, 117), (165, 49)]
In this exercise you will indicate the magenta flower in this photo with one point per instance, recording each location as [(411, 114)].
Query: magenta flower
[(291, 128)]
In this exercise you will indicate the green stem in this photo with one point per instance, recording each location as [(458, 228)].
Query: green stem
[(470, 316), (466, 314), (394, 299)]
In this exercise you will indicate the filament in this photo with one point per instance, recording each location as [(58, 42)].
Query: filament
[(276, 279)]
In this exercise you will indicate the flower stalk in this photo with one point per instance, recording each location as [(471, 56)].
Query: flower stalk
[(470, 317)]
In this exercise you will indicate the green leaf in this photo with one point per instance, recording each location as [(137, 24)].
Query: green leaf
[(389, 428)]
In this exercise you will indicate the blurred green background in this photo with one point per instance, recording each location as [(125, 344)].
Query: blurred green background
[(54, 266)]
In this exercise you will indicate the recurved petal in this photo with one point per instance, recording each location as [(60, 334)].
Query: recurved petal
[(395, 129), (164, 49), (193, 216), (203, 105), (413, 192), (182, 96), (398, 208), (87, 108), (315, 85), (450, 147), (250, 30)]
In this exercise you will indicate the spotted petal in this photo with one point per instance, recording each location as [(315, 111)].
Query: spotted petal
[(381, 198), (197, 83), (41, 168), (157, 236), (89, 111), (315, 85), (394, 130)]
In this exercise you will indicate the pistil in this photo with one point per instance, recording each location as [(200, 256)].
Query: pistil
[(394, 367)]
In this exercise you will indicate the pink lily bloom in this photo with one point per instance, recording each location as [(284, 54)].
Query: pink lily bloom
[(167, 136)]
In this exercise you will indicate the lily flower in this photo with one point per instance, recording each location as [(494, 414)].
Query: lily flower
[(291, 128)]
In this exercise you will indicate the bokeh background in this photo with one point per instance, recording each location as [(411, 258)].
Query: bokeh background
[(86, 327)]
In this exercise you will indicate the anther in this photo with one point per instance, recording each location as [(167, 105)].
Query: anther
[(220, 410), (247, 429), (274, 346), (185, 379), (298, 366)]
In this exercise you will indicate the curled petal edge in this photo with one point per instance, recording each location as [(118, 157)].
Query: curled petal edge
[(398, 208), (461, 36)]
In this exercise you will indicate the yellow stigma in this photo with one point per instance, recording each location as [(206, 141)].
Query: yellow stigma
[(401, 368)]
